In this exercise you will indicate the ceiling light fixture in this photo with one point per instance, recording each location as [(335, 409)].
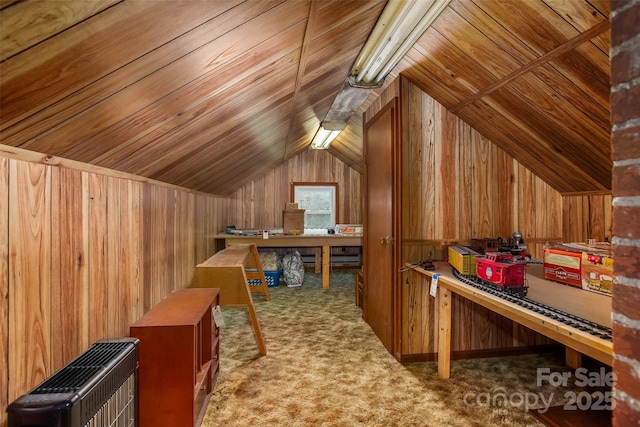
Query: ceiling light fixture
[(327, 132), (400, 25)]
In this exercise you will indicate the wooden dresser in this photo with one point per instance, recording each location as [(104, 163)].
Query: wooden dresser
[(179, 358)]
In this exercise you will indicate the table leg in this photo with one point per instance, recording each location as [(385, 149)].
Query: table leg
[(573, 358), (256, 328), (318, 260), (444, 332), (325, 266)]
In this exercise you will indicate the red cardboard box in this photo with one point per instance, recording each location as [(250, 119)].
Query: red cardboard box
[(348, 228), (597, 271), (563, 263)]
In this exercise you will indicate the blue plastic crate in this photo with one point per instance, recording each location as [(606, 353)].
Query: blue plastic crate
[(272, 278)]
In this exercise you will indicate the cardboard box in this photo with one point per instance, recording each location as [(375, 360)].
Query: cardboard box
[(348, 228), (291, 206), (293, 221), (597, 271), (563, 263)]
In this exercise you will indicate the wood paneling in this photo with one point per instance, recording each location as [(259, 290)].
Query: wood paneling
[(131, 292), (259, 203), (30, 299), (113, 255), (447, 163), (587, 217), (70, 315), (83, 255), (34, 22), (156, 243), (4, 281), (84, 53), (210, 95), (461, 186), (458, 185), (542, 98), (173, 92), (99, 273)]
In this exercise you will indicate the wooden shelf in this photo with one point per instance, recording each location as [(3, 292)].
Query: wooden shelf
[(582, 342), (201, 377), (179, 358)]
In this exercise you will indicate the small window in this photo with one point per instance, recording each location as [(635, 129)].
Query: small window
[(320, 202)]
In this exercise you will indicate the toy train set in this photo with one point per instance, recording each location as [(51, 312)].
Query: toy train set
[(513, 245), (494, 262), (500, 270), (553, 313)]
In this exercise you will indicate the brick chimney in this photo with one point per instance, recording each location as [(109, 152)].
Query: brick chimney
[(625, 142)]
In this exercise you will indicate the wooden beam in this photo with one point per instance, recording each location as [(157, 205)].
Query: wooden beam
[(302, 65), (563, 48)]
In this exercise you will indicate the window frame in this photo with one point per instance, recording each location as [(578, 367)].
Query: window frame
[(321, 185)]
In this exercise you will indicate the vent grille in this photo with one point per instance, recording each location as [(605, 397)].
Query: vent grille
[(97, 388), (78, 373)]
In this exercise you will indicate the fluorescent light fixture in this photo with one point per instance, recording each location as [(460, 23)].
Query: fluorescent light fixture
[(327, 132), (401, 24)]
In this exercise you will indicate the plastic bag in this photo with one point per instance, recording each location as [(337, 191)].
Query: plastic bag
[(293, 269)]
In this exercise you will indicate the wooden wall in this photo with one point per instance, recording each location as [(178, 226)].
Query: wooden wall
[(259, 203), (83, 254), (587, 217), (458, 185), (85, 251)]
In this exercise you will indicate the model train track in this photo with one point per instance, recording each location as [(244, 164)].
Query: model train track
[(568, 319)]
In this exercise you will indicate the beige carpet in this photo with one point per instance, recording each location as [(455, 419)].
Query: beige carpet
[(325, 367)]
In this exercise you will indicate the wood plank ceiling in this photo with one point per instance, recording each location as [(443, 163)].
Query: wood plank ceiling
[(209, 94)]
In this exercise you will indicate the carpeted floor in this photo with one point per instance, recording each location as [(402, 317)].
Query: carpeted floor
[(325, 367)]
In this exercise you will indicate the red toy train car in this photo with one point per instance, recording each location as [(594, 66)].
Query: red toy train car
[(499, 269)]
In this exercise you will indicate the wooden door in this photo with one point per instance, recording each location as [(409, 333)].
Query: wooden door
[(381, 213)]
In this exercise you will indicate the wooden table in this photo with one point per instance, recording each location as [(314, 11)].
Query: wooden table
[(227, 271), (298, 241), (586, 304)]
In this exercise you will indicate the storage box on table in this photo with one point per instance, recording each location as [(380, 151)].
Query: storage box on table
[(293, 221), (562, 263), (597, 270), (348, 228), (272, 268)]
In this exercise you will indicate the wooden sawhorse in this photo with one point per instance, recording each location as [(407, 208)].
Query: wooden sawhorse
[(226, 270)]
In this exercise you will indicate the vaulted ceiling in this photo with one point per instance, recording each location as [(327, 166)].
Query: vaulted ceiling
[(209, 94)]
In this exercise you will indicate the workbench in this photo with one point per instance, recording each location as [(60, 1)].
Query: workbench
[(588, 305), (325, 242)]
